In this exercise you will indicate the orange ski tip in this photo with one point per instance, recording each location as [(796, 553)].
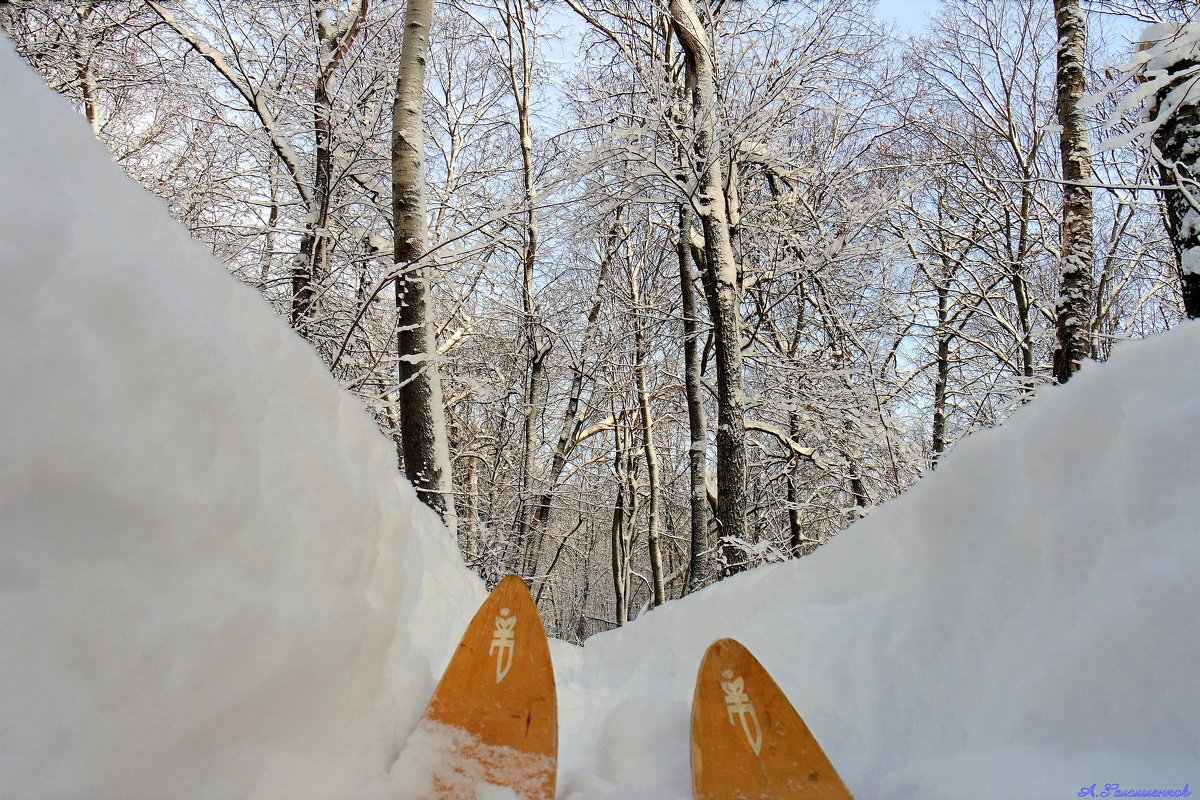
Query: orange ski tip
[(510, 582), (727, 649), (747, 739), (497, 699), (726, 645)]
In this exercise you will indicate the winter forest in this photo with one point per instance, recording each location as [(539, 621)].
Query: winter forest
[(651, 293)]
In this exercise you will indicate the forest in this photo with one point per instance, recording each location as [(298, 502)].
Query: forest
[(647, 294)]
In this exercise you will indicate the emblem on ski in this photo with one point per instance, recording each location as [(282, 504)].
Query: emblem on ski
[(747, 739), (502, 643), (737, 704), (492, 722)]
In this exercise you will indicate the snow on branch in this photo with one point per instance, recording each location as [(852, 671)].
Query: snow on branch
[(1164, 73), (280, 144)]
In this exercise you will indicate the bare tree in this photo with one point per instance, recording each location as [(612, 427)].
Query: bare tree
[(1073, 311), (1176, 136), (844, 248), (721, 280), (334, 33), (422, 422)]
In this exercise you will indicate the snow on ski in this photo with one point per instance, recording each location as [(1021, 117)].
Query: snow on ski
[(492, 723)]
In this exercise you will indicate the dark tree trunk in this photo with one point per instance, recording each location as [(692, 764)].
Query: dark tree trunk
[(943, 374), (700, 558), (722, 288), (1178, 142), (1074, 309)]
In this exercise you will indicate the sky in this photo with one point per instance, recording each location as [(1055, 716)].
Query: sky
[(911, 16)]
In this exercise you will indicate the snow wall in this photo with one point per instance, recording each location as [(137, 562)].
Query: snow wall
[(212, 584), (1021, 624)]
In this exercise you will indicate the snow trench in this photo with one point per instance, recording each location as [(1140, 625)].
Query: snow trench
[(214, 585)]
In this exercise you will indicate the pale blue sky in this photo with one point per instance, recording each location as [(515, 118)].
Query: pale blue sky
[(910, 15)]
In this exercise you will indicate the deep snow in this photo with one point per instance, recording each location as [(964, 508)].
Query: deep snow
[(213, 584), (1021, 624), (210, 569)]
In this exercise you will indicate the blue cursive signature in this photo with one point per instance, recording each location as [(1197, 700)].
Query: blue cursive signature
[(1115, 790)]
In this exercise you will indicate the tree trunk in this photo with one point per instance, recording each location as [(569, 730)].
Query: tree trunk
[(709, 203), (943, 373), (658, 584), (272, 223), (1020, 288), (1178, 142), (620, 556), (1177, 207), (87, 77), (797, 541), (699, 561), (422, 418), (1074, 308), (472, 525), (310, 264), (520, 75)]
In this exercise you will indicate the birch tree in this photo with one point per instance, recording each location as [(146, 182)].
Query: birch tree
[(1073, 310), (422, 421)]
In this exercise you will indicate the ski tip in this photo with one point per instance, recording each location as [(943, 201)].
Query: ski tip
[(747, 738), (494, 713), (511, 582), (725, 652), (727, 648)]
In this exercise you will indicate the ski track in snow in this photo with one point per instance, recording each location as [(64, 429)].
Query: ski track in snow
[(215, 586)]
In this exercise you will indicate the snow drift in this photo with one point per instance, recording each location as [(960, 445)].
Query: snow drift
[(214, 586), (1019, 625), (206, 548)]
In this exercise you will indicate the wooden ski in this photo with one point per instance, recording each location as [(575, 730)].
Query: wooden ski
[(493, 719), (748, 742)]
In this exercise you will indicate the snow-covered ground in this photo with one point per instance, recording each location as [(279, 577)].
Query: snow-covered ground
[(213, 585)]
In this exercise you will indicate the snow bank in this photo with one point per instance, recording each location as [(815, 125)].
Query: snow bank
[(1022, 624), (212, 583)]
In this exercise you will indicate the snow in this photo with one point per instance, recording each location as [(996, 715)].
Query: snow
[(1168, 43), (1190, 261), (215, 586), (206, 548), (427, 761), (1161, 62), (1021, 624)]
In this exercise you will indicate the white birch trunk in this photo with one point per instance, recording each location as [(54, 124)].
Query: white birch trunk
[(422, 419)]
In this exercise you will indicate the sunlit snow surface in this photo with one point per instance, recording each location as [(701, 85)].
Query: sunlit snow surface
[(212, 585), (1022, 624)]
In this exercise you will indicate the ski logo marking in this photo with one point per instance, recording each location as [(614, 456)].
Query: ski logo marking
[(503, 643), (737, 702)]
